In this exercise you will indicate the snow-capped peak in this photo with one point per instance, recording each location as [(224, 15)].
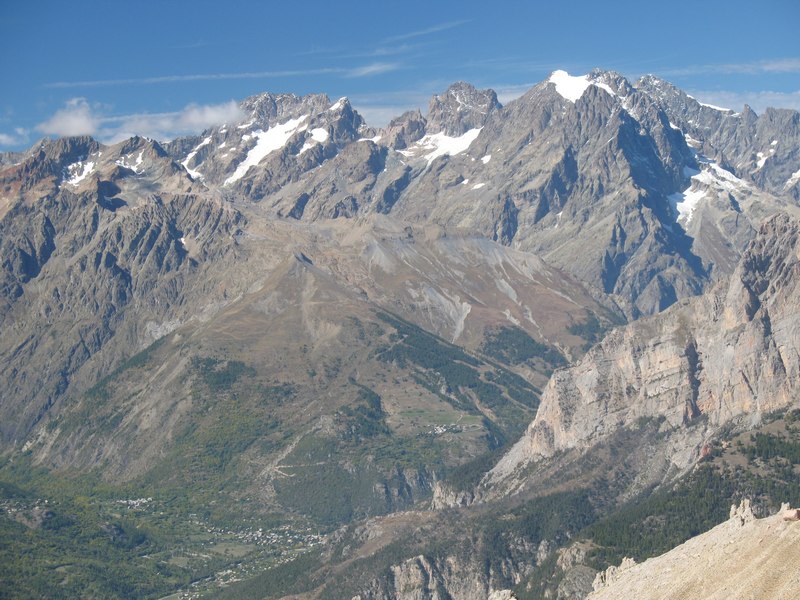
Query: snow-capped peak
[(572, 87), (338, 104)]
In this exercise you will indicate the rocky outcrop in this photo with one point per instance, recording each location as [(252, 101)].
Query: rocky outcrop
[(459, 109), (761, 149), (731, 354), (444, 496), (453, 578)]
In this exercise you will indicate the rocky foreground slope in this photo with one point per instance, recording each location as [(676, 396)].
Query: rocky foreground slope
[(741, 558)]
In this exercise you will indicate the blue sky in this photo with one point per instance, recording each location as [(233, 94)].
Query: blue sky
[(173, 67)]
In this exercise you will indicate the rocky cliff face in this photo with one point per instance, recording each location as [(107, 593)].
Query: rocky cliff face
[(421, 578), (92, 237), (729, 354)]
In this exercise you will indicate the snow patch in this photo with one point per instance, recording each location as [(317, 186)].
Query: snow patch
[(762, 159), (569, 87), (686, 202), (465, 182), (792, 180), (572, 87), (268, 141), (439, 144), (719, 108), (79, 172), (712, 178), (246, 125), (690, 141), (486, 159), (605, 87), (374, 140), (319, 135), (191, 155), (478, 186), (122, 162), (338, 104)]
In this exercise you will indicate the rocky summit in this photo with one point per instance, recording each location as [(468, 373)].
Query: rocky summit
[(459, 356)]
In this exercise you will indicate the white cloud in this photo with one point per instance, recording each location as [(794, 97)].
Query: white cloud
[(758, 100), (76, 118), (80, 118), (19, 137), (201, 117)]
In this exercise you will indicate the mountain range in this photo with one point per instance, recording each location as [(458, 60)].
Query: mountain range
[(528, 314)]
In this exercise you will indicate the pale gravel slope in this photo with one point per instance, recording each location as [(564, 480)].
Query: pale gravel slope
[(757, 560)]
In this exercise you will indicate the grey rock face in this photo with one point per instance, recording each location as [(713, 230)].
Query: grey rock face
[(84, 245), (460, 108), (763, 150), (282, 137), (638, 190), (404, 130), (730, 354)]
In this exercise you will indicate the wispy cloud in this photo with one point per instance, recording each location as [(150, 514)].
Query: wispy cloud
[(373, 69), (361, 71), (427, 31), (783, 65), (78, 117), (508, 92), (757, 100), (19, 137), (194, 77), (380, 108)]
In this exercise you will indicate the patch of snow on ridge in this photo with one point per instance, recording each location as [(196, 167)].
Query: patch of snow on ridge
[(439, 144), (191, 155), (268, 141), (686, 202), (338, 104), (486, 158), (715, 107), (318, 135), (604, 86), (711, 179), (79, 175), (571, 88), (792, 180)]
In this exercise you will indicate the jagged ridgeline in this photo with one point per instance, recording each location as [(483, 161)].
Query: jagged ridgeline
[(456, 355)]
